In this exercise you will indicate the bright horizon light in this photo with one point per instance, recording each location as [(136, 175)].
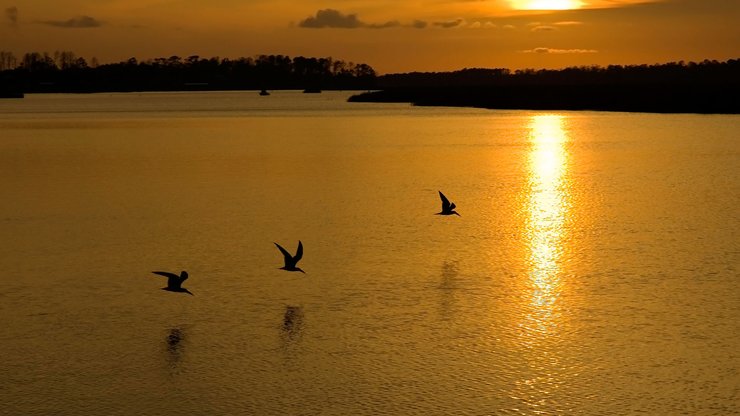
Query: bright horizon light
[(547, 4)]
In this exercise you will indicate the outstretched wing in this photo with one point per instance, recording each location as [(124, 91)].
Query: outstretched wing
[(173, 280), (288, 257), (168, 275), (445, 202), (298, 253)]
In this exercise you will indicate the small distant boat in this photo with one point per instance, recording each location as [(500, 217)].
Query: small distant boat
[(264, 92), (312, 91)]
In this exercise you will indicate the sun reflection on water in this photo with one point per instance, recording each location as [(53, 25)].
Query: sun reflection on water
[(546, 209)]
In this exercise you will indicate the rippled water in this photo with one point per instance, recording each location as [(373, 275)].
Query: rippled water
[(593, 269)]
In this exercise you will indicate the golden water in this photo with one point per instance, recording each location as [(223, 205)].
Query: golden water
[(593, 269)]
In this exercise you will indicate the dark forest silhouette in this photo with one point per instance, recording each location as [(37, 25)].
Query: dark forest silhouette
[(64, 72), (704, 87), (699, 87)]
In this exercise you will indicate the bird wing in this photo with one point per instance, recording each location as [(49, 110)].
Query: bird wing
[(288, 257), (299, 252), (168, 275), (173, 280), (445, 201), (452, 206)]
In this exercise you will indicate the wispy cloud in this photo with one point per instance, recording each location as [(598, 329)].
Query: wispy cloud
[(75, 22), (12, 14), (392, 23), (419, 24), (544, 28), (448, 24), (559, 51), (549, 27)]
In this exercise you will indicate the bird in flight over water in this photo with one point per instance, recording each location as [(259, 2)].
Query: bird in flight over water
[(291, 261), (447, 207), (174, 282)]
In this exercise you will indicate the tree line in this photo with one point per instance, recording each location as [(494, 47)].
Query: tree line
[(66, 72), (677, 87), (679, 73)]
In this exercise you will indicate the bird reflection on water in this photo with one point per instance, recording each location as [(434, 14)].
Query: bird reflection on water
[(449, 273), (174, 345), (292, 326), (447, 287)]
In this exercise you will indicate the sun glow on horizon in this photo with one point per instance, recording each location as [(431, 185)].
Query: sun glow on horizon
[(547, 4)]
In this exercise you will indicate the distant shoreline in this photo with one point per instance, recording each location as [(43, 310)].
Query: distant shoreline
[(706, 99)]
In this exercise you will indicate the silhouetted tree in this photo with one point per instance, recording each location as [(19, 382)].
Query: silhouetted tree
[(65, 72), (703, 87), (7, 61)]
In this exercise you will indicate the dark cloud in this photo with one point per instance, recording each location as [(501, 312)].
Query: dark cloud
[(392, 23), (331, 18), (449, 24), (12, 14), (419, 24), (76, 22), (544, 28)]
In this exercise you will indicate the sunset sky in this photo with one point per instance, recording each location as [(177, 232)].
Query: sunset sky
[(389, 35)]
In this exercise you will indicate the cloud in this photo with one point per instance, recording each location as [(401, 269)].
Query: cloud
[(559, 51), (544, 28), (392, 23), (331, 18), (419, 24), (481, 25), (449, 23), (12, 14), (568, 23), (75, 22)]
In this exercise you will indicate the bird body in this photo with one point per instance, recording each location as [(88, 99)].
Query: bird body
[(448, 208), (290, 260), (174, 281)]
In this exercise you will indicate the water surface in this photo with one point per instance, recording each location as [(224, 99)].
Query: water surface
[(593, 269)]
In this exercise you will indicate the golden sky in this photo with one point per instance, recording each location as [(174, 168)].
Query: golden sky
[(389, 35)]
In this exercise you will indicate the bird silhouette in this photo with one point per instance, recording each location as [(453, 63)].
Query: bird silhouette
[(174, 282), (291, 261), (447, 207)]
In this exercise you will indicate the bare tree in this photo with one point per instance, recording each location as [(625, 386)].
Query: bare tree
[(7, 61)]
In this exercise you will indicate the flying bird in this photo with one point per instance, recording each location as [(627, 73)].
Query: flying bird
[(447, 207), (291, 261), (174, 282)]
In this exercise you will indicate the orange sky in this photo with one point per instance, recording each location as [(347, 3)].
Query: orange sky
[(389, 35)]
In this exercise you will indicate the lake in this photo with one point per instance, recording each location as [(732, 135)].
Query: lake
[(593, 269)]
